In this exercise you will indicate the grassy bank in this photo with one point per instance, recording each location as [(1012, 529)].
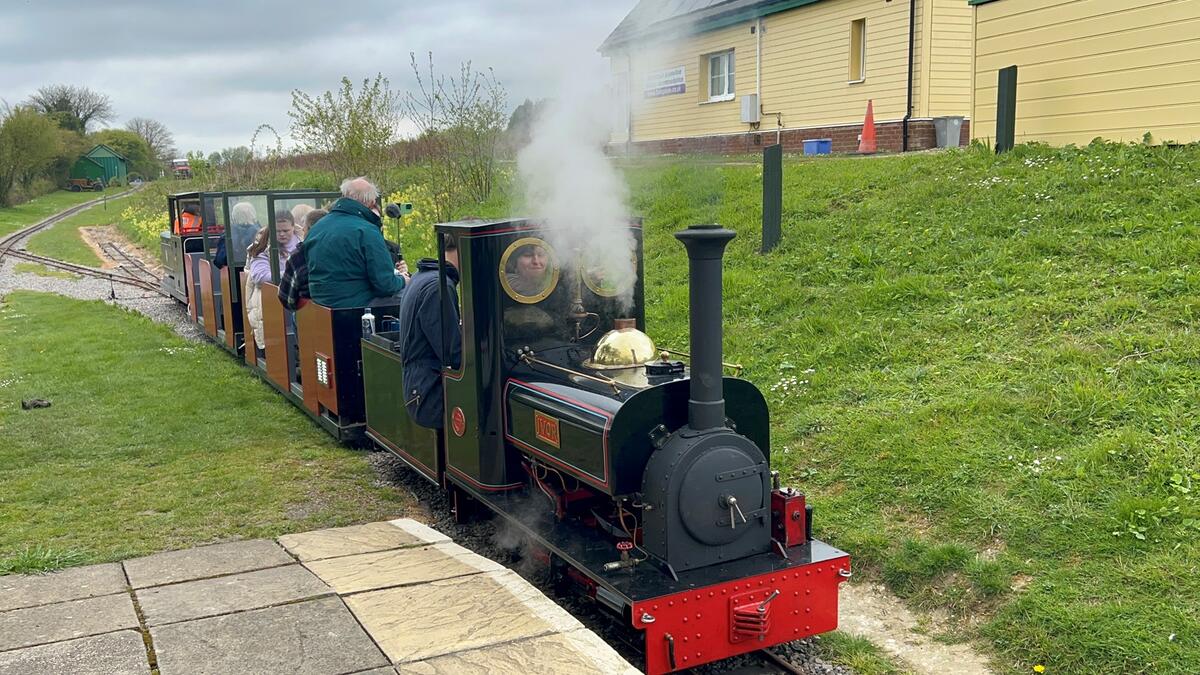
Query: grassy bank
[(17, 217), (64, 241), (984, 372), (152, 443)]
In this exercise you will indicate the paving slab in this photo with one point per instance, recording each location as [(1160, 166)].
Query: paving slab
[(399, 567), (316, 637), (65, 620), (342, 541), (205, 561), (28, 590), (578, 653), (120, 653), (420, 622), (233, 593)]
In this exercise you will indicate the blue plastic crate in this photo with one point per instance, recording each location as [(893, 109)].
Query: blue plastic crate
[(818, 146)]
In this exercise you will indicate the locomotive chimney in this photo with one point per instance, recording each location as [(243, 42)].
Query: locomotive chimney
[(705, 247)]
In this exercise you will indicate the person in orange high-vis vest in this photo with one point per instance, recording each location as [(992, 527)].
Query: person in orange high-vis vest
[(189, 222)]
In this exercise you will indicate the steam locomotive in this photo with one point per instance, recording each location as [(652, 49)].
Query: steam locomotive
[(640, 481)]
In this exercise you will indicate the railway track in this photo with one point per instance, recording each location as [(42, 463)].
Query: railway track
[(127, 262), (130, 272)]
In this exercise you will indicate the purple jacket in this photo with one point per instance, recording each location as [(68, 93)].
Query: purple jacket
[(260, 265)]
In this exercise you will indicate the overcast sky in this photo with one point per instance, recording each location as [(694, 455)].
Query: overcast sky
[(214, 70)]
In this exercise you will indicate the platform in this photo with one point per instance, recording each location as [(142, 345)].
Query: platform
[(377, 598)]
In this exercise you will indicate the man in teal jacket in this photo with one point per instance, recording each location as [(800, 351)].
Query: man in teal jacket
[(348, 261)]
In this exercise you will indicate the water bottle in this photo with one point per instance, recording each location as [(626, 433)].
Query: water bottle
[(368, 323)]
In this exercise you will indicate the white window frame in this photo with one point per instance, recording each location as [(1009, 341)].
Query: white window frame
[(727, 77)]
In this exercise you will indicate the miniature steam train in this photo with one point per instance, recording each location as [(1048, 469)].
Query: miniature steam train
[(642, 483)]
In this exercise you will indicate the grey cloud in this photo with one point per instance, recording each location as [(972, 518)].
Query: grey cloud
[(213, 71)]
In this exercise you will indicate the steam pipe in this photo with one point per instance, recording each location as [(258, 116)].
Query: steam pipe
[(705, 248)]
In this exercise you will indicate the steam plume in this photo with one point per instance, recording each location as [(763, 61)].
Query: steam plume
[(572, 186)]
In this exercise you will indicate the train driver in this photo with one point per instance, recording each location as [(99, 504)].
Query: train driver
[(422, 340), (189, 220), (348, 261)]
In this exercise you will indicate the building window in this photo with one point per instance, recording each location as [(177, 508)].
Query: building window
[(858, 50), (720, 76)]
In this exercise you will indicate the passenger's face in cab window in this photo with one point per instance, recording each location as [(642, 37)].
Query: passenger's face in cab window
[(283, 230), (531, 263)]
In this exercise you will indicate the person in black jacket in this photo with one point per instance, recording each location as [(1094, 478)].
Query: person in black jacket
[(421, 339)]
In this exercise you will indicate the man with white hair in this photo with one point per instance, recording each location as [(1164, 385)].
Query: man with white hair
[(348, 261)]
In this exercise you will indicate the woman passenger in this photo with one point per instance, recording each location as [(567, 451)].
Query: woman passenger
[(299, 212), (530, 273), (258, 256), (243, 224)]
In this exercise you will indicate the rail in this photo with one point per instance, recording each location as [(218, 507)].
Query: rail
[(142, 278)]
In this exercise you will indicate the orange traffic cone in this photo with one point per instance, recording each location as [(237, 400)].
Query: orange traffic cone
[(866, 142)]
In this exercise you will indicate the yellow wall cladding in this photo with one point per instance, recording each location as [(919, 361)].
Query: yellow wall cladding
[(805, 69), (687, 114), (949, 59), (806, 54), (1088, 68)]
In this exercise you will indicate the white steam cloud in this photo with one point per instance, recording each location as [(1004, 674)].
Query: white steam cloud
[(572, 186)]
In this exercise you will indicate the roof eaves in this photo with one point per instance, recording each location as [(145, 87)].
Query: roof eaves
[(109, 148), (718, 17)]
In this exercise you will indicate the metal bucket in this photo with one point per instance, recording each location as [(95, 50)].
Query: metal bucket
[(948, 131)]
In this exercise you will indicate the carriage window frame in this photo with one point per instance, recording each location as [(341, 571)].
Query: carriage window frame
[(555, 270)]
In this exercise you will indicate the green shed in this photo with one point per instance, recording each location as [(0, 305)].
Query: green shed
[(87, 168), (115, 166)]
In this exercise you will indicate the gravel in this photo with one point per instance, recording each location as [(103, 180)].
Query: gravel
[(482, 537)]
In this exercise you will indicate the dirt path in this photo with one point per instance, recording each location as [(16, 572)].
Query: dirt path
[(96, 237), (869, 611)]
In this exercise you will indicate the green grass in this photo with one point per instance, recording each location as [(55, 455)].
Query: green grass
[(984, 373), (17, 217), (152, 443), (37, 560), (43, 271), (863, 656), (64, 241)]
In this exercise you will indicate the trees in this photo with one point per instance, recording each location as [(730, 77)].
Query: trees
[(350, 131), (156, 135), (520, 123), (29, 143), (231, 156), (72, 107), (462, 121)]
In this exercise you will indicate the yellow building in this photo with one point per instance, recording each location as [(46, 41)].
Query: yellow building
[(1115, 69), (729, 75)]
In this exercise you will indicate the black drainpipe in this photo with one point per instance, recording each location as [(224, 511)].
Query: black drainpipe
[(912, 30)]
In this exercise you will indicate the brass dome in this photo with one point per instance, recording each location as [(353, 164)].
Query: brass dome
[(622, 348)]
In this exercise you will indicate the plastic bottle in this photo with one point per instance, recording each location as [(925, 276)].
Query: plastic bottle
[(368, 323)]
